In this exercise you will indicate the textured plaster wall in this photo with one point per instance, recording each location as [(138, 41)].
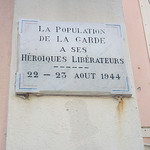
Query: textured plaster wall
[(67, 122)]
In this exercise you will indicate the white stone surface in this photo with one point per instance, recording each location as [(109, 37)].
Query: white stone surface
[(71, 122), (146, 132), (147, 146), (61, 57), (145, 11)]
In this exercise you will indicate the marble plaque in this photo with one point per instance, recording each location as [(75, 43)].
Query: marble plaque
[(68, 58)]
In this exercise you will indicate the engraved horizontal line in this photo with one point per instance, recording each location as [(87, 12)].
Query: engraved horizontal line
[(46, 74), (55, 66), (71, 67), (68, 67), (62, 66)]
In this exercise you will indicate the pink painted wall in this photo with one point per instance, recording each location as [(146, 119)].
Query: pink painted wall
[(139, 57), (6, 18), (137, 46)]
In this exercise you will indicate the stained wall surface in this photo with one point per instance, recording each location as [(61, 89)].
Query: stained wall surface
[(61, 122)]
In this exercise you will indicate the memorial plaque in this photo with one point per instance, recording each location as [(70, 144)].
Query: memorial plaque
[(65, 58)]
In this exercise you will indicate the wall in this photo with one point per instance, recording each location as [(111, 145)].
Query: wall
[(139, 58), (139, 55), (6, 18), (67, 122), (145, 10)]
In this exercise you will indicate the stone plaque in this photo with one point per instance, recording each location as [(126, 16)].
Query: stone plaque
[(67, 58)]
